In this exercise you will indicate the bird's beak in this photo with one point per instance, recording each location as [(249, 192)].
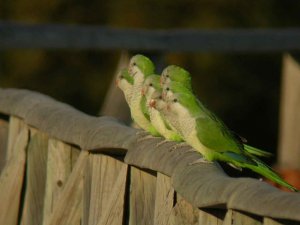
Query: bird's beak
[(152, 103), (143, 91), (161, 81)]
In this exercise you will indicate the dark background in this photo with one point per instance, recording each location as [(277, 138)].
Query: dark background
[(243, 89)]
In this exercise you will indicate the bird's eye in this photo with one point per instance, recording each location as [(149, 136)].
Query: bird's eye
[(160, 97), (175, 100), (134, 64), (168, 89), (167, 75), (121, 77), (150, 84)]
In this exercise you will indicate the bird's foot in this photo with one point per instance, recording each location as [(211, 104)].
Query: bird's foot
[(146, 137), (200, 160), (179, 145), (161, 143), (142, 133)]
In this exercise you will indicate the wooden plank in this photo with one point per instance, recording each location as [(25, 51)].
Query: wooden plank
[(113, 210), (289, 138), (164, 200), (69, 207), (271, 221), (3, 142), (211, 216), (234, 217), (107, 194), (59, 164), (11, 179), (35, 178), (14, 35), (142, 197), (15, 127), (184, 213)]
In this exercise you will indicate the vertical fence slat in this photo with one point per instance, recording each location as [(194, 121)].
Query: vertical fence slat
[(236, 218), (142, 197), (211, 216), (289, 141), (15, 126), (58, 170), (184, 213), (69, 207), (35, 178), (164, 200), (107, 194), (113, 211), (3, 142), (12, 176)]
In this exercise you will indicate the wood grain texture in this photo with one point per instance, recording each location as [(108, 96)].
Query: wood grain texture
[(59, 166), (15, 126), (3, 142), (142, 197), (184, 213), (236, 218), (14, 35), (107, 194), (211, 216), (289, 138), (69, 207), (164, 200), (12, 176), (36, 168)]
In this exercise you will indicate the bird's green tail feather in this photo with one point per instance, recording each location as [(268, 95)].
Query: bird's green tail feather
[(267, 172), (255, 165), (256, 151)]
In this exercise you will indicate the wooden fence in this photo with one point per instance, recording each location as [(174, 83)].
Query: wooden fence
[(65, 167)]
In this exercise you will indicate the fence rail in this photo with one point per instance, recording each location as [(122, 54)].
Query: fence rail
[(51, 36), (122, 178)]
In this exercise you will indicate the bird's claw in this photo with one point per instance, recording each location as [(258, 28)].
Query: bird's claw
[(161, 143), (200, 160), (179, 145)]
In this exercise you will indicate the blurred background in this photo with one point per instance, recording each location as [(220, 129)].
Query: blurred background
[(241, 88)]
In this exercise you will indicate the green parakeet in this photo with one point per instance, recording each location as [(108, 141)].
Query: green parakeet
[(125, 82), (207, 134), (140, 67), (152, 91), (177, 74)]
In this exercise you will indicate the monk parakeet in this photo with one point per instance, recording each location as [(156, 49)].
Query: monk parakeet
[(140, 67), (152, 91), (175, 87), (177, 74), (125, 82), (208, 134)]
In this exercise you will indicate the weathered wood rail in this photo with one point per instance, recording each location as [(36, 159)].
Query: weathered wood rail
[(64, 167)]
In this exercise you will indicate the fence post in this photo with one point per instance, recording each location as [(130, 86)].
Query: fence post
[(289, 137)]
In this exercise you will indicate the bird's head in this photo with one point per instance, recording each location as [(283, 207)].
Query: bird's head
[(124, 80), (140, 65), (177, 74)]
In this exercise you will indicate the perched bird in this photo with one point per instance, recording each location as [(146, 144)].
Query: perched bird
[(125, 82), (140, 67), (209, 135), (152, 91), (177, 74), (175, 87)]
